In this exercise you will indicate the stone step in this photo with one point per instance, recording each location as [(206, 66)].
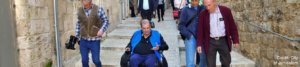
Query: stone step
[(169, 32), (111, 52), (112, 47), (115, 47), (128, 26), (124, 30), (130, 23), (109, 58), (132, 19), (114, 44), (237, 60), (123, 33), (79, 64)]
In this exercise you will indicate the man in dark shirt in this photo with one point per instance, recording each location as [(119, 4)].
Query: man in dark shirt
[(144, 46)]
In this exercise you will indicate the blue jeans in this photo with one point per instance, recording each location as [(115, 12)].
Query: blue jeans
[(190, 51), (202, 58), (137, 59), (87, 46)]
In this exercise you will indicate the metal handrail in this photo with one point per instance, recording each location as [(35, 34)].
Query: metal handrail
[(275, 33)]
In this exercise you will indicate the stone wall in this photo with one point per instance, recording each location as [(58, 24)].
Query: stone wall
[(67, 20), (35, 38), (259, 22), (35, 29)]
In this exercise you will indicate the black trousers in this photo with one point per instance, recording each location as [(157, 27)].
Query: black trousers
[(160, 11), (221, 47), (172, 4), (132, 11), (146, 14)]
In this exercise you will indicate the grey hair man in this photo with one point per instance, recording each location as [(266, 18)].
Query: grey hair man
[(92, 23), (145, 45)]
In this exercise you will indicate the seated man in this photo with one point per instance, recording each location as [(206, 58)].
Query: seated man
[(145, 45)]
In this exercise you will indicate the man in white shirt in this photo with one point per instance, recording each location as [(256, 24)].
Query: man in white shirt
[(217, 32), (146, 7)]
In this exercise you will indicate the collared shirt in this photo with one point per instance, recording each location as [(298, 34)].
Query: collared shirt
[(196, 8), (103, 28), (160, 2), (217, 26), (144, 46), (146, 4)]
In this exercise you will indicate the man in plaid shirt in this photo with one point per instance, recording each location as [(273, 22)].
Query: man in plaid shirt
[(92, 23)]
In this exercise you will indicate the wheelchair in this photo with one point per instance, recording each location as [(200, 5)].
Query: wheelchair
[(125, 60)]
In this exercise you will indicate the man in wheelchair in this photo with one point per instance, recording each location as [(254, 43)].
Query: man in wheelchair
[(145, 46)]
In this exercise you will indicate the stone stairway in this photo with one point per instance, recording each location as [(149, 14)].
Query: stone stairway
[(114, 44)]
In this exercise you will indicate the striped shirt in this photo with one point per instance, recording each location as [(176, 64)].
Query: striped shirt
[(103, 28)]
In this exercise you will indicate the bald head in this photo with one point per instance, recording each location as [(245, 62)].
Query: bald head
[(145, 22), (146, 27), (210, 5)]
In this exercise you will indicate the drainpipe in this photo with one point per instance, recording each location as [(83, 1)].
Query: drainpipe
[(57, 39)]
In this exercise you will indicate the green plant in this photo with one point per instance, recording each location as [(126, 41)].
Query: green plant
[(49, 64)]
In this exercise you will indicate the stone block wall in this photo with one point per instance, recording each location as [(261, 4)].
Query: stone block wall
[(34, 28), (264, 47), (67, 10)]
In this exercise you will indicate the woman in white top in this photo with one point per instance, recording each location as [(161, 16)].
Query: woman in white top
[(179, 4)]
